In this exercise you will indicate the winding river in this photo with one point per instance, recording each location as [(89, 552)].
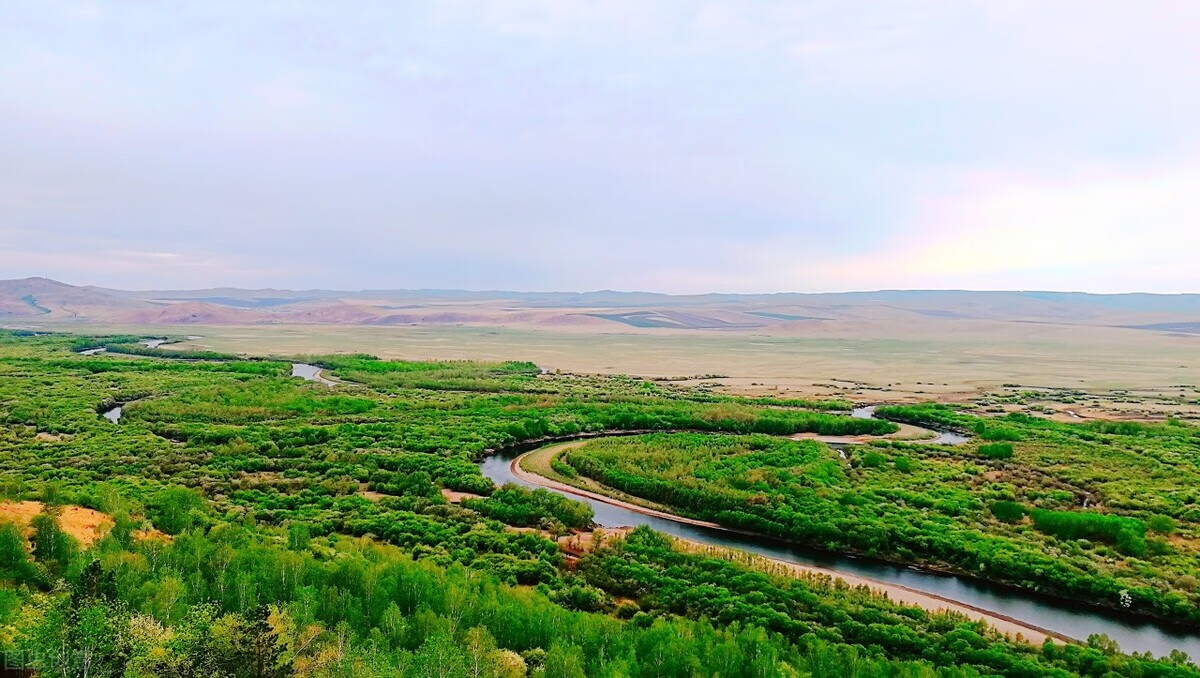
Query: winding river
[(1058, 616), (1055, 615)]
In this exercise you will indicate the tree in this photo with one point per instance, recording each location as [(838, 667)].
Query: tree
[(51, 546), (298, 537), (174, 509), (14, 557), (439, 657), (564, 661), (480, 648), (873, 459)]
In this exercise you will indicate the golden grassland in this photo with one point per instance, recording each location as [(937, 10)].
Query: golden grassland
[(1131, 373)]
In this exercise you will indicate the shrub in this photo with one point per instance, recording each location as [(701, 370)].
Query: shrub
[(996, 450), (1104, 527), (873, 459), (1160, 524), (1131, 543), (563, 468), (995, 433), (1008, 511)]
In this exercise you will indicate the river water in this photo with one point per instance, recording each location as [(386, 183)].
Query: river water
[(1070, 619), (310, 373)]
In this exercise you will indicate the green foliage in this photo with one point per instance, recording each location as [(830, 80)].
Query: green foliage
[(1161, 524), (175, 509), (647, 568), (1086, 525), (802, 491), (873, 459), (989, 431), (516, 505), (15, 561), (260, 477), (1008, 511), (51, 546), (996, 450)]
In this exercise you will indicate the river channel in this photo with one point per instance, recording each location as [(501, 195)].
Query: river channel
[(1060, 616)]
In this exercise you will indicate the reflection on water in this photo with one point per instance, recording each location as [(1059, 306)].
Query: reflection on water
[(113, 414)]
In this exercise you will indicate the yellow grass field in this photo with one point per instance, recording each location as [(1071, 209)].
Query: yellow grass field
[(886, 362)]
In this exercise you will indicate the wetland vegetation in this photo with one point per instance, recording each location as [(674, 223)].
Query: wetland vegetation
[(264, 525)]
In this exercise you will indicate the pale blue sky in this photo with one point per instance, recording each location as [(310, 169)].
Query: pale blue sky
[(677, 147)]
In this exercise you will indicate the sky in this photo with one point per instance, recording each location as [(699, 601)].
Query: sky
[(633, 145)]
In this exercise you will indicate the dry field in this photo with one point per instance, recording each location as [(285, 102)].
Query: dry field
[(84, 524), (1130, 372)]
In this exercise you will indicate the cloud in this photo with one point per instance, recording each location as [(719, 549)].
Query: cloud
[(1101, 230), (571, 145)]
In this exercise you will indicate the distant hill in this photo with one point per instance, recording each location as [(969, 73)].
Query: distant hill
[(37, 300)]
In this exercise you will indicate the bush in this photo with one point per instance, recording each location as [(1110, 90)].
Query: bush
[(1008, 511), (515, 505), (1131, 543), (996, 450), (1160, 524), (995, 433), (1127, 533), (563, 468), (873, 459)]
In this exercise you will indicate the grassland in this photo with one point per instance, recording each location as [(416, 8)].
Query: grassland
[(935, 360)]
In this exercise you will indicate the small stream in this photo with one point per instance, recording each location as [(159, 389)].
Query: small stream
[(311, 373), (942, 437)]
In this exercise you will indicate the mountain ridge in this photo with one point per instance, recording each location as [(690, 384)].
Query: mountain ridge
[(45, 299)]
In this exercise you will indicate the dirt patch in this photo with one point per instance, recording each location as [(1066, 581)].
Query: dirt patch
[(51, 437), (456, 497), (369, 495), (84, 524), (580, 543)]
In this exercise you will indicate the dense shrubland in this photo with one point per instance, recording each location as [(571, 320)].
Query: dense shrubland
[(304, 530), (914, 503)]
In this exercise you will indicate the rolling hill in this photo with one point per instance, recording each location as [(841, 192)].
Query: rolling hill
[(40, 300)]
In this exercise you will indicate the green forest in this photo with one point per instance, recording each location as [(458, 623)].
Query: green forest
[(263, 525)]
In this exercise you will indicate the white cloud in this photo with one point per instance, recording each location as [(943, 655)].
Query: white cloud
[(1094, 230), (683, 146)]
